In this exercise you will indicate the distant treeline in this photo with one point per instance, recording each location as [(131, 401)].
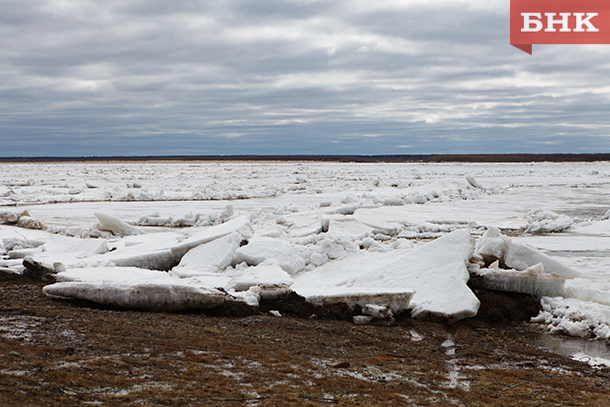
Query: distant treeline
[(470, 158)]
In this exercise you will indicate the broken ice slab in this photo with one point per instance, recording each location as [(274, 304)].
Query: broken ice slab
[(209, 258), (240, 224), (531, 281), (268, 273), (147, 251), (112, 275), (520, 257), (438, 274), (147, 295), (291, 257), (379, 218), (495, 246), (22, 253), (348, 227), (305, 224), (472, 181), (397, 300), (165, 253), (115, 225), (158, 260)]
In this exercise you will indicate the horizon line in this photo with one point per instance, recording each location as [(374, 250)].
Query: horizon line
[(373, 158)]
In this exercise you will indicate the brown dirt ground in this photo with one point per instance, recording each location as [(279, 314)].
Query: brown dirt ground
[(63, 353)]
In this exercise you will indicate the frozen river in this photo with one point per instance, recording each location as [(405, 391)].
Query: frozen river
[(314, 221)]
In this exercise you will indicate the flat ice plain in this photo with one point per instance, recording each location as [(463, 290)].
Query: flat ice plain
[(389, 237)]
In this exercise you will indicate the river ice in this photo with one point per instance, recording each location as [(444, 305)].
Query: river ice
[(397, 235)]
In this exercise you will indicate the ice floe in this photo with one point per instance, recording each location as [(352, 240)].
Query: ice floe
[(152, 296), (436, 273), (210, 257), (494, 246), (531, 281), (545, 221), (115, 225)]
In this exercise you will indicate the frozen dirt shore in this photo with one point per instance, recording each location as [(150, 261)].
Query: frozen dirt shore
[(67, 353)]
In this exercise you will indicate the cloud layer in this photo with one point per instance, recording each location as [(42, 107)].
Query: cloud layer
[(152, 77)]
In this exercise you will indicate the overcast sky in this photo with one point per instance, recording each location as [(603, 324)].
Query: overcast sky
[(159, 77)]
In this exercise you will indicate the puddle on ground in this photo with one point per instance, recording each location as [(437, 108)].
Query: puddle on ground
[(593, 352)]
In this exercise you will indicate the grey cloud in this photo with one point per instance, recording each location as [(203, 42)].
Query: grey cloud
[(288, 77)]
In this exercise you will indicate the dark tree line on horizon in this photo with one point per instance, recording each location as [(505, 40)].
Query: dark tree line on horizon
[(432, 158)]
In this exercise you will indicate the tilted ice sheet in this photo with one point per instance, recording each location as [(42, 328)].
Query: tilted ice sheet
[(586, 249), (494, 246), (113, 275), (436, 272), (209, 258), (531, 281)]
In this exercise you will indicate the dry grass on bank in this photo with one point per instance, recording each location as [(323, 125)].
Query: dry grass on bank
[(59, 353)]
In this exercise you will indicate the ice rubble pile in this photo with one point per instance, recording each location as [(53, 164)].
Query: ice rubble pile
[(217, 261), (545, 221), (232, 262), (573, 317), (364, 215), (337, 259), (501, 264), (387, 185), (21, 219)]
